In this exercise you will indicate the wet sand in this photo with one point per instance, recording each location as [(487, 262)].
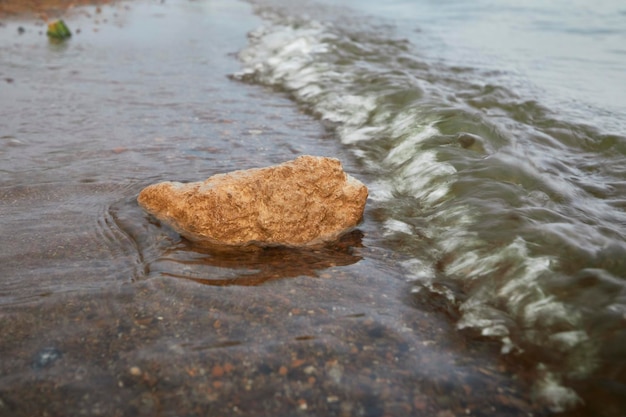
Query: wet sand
[(104, 311)]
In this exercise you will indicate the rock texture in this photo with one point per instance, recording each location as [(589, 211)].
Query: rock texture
[(306, 201)]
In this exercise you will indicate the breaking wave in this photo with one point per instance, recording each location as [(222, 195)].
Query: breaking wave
[(507, 213)]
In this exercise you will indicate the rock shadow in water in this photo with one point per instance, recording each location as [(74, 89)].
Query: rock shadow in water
[(254, 265)]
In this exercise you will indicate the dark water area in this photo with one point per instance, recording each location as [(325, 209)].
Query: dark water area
[(486, 278)]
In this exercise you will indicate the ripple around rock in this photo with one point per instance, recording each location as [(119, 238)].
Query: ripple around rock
[(307, 201)]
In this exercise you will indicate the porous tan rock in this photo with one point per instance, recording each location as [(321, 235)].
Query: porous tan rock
[(306, 201)]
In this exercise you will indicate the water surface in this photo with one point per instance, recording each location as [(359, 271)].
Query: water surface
[(486, 278)]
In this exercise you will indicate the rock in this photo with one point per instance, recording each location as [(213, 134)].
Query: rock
[(307, 201)]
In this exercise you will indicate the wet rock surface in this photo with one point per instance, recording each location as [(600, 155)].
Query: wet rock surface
[(309, 200)]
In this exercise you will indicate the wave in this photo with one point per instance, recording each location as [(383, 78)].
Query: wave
[(516, 213)]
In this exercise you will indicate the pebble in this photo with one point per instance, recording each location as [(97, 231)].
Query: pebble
[(335, 374), (47, 356)]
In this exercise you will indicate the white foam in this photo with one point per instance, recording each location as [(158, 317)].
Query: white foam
[(418, 270), (396, 226), (424, 178), (285, 55), (407, 147), (410, 121), (352, 136), (349, 109), (567, 340), (549, 390), (548, 312)]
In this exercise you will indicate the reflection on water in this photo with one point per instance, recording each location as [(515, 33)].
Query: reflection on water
[(256, 266)]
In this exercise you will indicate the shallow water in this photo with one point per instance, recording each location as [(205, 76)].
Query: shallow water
[(486, 278)]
